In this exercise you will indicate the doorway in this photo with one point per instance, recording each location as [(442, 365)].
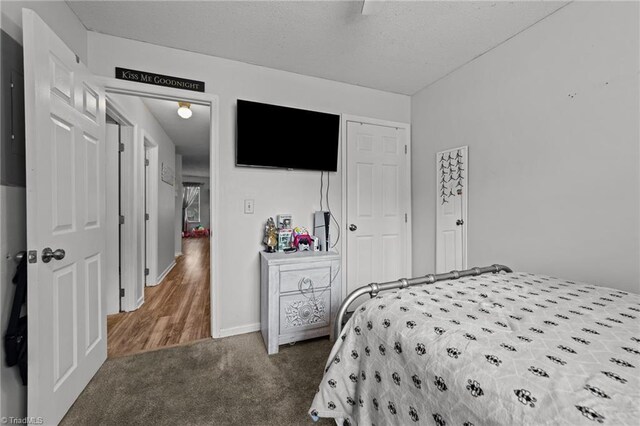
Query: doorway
[(376, 201), (175, 235)]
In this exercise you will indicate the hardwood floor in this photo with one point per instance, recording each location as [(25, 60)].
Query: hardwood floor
[(175, 312)]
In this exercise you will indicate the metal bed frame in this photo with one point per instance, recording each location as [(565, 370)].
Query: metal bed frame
[(374, 288)]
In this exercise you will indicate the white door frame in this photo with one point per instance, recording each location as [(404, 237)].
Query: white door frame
[(124, 87), (344, 119), (151, 207), (132, 274)]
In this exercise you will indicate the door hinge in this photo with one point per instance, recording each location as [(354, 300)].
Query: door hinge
[(121, 220), (405, 149), (146, 162), (146, 216), (406, 218), (122, 292), (120, 147), (146, 271), (33, 256)]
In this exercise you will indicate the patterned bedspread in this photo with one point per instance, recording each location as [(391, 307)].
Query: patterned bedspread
[(494, 349)]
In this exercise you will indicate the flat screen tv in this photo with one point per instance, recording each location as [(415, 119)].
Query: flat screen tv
[(278, 136)]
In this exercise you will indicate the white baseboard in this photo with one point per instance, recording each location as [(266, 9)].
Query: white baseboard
[(234, 331), (166, 272)]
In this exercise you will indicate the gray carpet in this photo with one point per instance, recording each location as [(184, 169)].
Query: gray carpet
[(230, 381)]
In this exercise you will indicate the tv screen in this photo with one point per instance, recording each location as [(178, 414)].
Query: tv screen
[(277, 136)]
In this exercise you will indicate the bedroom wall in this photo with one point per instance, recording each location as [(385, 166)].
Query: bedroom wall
[(551, 118), (13, 401), (274, 191), (56, 14), (148, 125)]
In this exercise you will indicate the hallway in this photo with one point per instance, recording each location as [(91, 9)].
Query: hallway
[(175, 312)]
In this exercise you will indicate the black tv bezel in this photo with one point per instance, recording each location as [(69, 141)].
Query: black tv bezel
[(302, 168)]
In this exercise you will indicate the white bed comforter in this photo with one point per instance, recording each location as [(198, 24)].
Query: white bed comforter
[(494, 349)]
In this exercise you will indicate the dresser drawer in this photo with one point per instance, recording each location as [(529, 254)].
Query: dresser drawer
[(304, 276), (300, 312)]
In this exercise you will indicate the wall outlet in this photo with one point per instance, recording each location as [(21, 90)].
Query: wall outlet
[(248, 206)]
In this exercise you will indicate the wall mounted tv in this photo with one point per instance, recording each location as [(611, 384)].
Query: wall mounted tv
[(277, 136)]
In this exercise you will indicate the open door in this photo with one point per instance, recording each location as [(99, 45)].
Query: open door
[(65, 156)]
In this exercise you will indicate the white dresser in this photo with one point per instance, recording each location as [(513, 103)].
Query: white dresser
[(300, 294)]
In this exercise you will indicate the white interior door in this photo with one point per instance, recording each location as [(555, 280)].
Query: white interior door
[(150, 216), (378, 204), (65, 133), (112, 219), (451, 209)]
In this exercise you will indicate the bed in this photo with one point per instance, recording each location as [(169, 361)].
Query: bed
[(506, 348)]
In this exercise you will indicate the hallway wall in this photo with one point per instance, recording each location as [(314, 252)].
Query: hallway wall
[(178, 221)]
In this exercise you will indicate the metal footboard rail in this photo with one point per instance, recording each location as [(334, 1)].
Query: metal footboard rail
[(374, 288)]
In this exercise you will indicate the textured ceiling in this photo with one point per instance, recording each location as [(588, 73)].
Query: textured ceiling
[(191, 137), (404, 47)]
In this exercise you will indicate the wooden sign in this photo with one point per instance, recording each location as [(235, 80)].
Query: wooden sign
[(159, 80)]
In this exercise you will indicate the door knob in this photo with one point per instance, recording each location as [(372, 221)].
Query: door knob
[(352, 227), (459, 222), (48, 254)]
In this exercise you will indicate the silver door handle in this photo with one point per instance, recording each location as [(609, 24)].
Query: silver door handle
[(352, 227), (48, 254)]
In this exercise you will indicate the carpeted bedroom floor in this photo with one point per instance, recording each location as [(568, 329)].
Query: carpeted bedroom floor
[(230, 381)]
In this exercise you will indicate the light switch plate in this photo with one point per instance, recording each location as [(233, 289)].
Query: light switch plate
[(248, 206)]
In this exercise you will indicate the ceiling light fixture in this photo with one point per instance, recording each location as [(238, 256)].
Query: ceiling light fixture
[(185, 110)]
